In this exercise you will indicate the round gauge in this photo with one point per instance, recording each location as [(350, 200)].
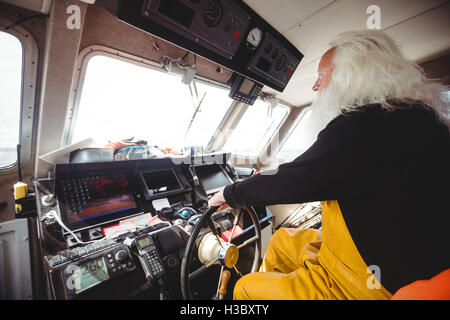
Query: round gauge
[(254, 37), (212, 13), (280, 63), (268, 48), (275, 53)]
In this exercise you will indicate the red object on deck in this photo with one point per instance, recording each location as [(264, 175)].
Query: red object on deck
[(437, 288)]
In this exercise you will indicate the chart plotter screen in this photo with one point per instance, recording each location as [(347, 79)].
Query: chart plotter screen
[(89, 198)]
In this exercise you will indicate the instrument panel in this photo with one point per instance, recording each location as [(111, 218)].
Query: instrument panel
[(227, 32), (214, 24)]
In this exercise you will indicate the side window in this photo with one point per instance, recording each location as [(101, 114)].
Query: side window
[(300, 139), (11, 71)]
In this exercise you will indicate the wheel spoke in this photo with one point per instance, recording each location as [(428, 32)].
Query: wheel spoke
[(232, 232), (237, 217), (246, 242), (202, 269), (211, 226), (237, 271), (220, 279)]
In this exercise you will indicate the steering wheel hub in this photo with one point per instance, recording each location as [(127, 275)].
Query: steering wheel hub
[(228, 255)]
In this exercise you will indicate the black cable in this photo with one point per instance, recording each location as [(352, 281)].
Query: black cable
[(185, 56), (19, 169), (42, 15)]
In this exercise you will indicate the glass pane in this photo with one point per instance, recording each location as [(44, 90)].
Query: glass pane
[(121, 100), (211, 112), (10, 97), (299, 140), (256, 127)]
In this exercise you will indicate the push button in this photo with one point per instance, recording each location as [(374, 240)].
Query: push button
[(55, 260)]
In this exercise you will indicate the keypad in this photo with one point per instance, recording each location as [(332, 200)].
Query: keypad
[(155, 264), (76, 194)]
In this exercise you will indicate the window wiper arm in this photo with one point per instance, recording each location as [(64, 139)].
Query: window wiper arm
[(193, 117)]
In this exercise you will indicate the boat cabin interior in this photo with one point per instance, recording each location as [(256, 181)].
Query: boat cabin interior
[(119, 120)]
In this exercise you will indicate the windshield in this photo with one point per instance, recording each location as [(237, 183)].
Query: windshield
[(254, 130), (122, 100)]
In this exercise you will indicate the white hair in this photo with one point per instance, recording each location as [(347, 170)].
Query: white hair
[(369, 68)]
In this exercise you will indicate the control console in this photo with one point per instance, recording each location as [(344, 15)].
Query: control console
[(120, 223), (83, 268)]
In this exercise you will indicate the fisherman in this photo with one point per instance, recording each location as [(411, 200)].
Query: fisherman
[(380, 168)]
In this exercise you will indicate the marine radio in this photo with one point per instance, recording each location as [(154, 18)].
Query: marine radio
[(78, 275), (149, 258)]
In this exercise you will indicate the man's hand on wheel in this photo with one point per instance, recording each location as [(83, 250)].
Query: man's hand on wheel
[(218, 200)]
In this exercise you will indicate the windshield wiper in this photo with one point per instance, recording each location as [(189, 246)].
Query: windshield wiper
[(197, 109), (193, 117)]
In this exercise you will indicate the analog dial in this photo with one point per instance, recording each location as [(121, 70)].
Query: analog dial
[(280, 63), (254, 37), (212, 12)]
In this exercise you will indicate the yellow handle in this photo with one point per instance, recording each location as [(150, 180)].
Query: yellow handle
[(224, 282), (20, 191)]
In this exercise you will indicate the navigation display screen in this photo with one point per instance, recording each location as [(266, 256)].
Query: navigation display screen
[(86, 198), (160, 183), (89, 274), (212, 177), (246, 86)]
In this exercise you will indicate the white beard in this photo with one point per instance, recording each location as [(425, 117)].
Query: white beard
[(324, 108)]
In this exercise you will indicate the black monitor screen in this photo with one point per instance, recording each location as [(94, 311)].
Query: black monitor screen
[(212, 177), (90, 198), (177, 11), (161, 182)]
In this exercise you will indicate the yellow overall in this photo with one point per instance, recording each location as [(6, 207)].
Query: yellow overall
[(307, 264)]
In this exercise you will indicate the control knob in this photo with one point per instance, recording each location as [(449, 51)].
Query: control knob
[(121, 256)]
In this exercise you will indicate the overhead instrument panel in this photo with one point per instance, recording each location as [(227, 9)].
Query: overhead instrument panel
[(226, 32), (213, 24)]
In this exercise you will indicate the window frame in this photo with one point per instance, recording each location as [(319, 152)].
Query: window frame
[(292, 128), (263, 148), (30, 55), (80, 72)]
